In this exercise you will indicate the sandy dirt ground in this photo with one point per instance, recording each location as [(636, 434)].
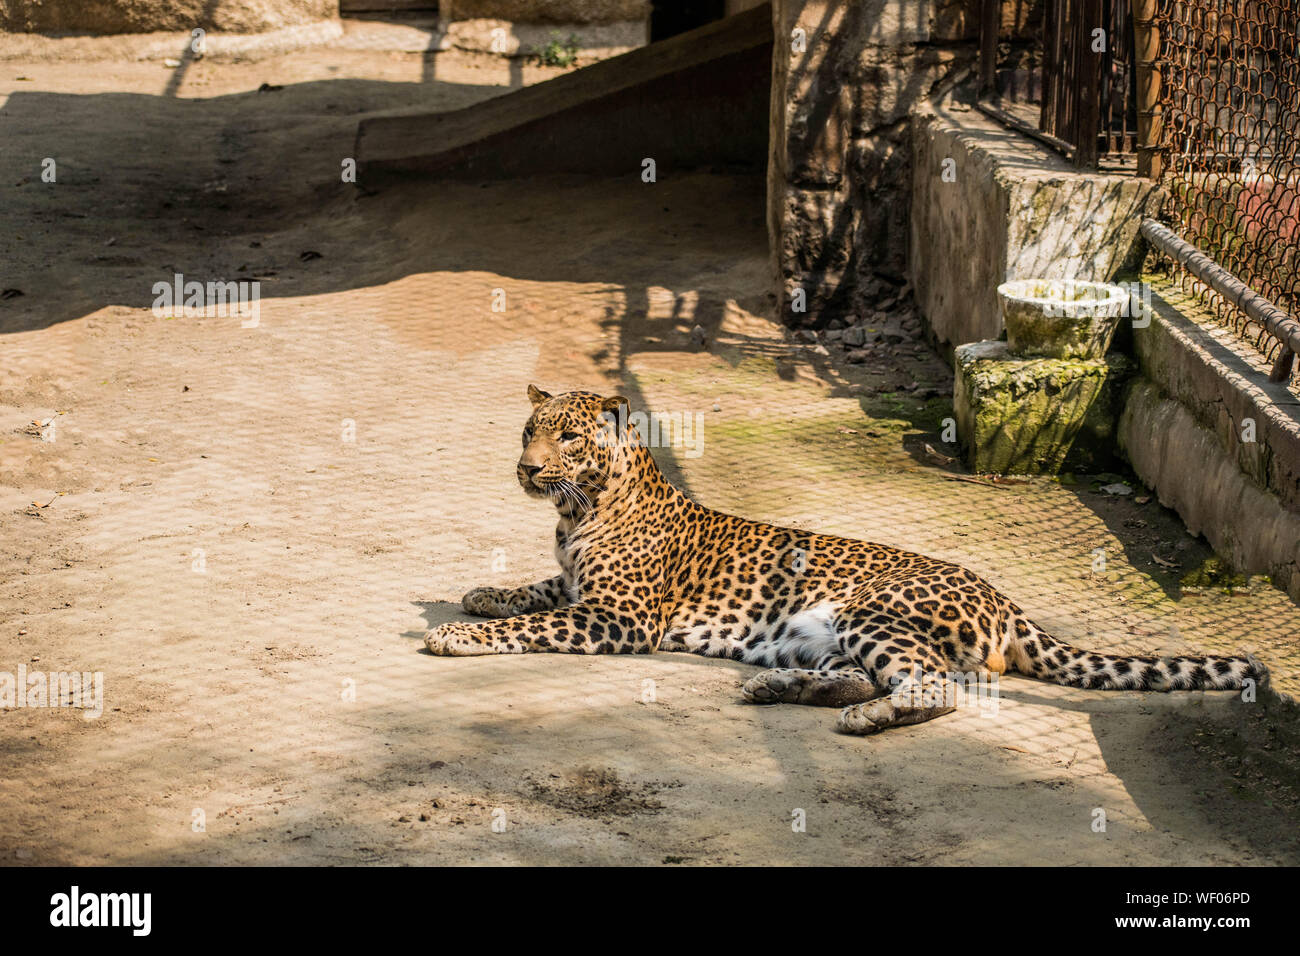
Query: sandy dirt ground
[(247, 530)]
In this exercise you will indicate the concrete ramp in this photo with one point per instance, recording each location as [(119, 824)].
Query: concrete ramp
[(696, 99)]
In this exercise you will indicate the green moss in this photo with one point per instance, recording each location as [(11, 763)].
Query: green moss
[(558, 51), (1213, 573), (1033, 416), (836, 429)]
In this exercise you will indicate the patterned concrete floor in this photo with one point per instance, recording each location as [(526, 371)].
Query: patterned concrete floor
[(246, 530)]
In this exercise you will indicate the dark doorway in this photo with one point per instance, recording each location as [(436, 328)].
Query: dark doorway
[(671, 17)]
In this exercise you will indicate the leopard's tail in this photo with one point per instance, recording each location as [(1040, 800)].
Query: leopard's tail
[(1037, 654)]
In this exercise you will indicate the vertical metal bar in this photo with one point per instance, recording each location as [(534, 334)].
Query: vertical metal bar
[(1065, 30), (1130, 81), (1088, 116), (1146, 68), (1110, 63), (990, 22), (1051, 77), (1068, 28)]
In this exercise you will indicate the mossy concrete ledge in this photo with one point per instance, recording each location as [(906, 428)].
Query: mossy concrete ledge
[(1036, 416), (1219, 442), (1186, 464)]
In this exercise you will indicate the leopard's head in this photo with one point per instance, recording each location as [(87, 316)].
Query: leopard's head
[(571, 446)]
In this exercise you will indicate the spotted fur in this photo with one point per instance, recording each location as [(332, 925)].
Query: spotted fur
[(870, 628)]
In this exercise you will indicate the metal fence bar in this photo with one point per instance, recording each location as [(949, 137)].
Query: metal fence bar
[(1279, 323), (1089, 90), (1146, 49), (1089, 68), (1052, 43), (990, 22)]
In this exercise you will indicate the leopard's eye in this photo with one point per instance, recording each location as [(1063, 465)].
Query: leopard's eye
[(569, 436)]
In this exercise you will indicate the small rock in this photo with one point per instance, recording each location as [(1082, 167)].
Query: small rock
[(858, 356), (876, 288), (717, 408), (854, 337), (1118, 488), (834, 335), (936, 455), (699, 338), (893, 331)]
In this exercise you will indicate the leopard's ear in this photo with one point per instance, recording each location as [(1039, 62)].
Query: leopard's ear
[(536, 395), (614, 403)]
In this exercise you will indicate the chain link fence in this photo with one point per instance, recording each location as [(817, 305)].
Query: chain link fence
[(1229, 107)]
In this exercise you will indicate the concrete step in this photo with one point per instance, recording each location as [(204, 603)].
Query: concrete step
[(695, 99)]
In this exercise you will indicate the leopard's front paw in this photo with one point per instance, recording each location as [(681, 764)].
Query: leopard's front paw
[(459, 639), (868, 718), (485, 602), (776, 686)]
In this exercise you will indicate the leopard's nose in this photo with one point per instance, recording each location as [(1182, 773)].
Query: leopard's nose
[(529, 470)]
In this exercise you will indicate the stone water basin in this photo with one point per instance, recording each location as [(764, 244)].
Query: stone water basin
[(1061, 318)]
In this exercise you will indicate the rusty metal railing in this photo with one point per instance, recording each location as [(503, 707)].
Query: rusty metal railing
[(1224, 138), (1233, 292)]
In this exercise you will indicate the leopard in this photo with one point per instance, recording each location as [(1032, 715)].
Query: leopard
[(886, 635)]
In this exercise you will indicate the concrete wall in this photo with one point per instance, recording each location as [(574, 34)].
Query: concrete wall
[(989, 205), (1185, 427), (844, 77), (518, 27), (145, 16), (840, 170)]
